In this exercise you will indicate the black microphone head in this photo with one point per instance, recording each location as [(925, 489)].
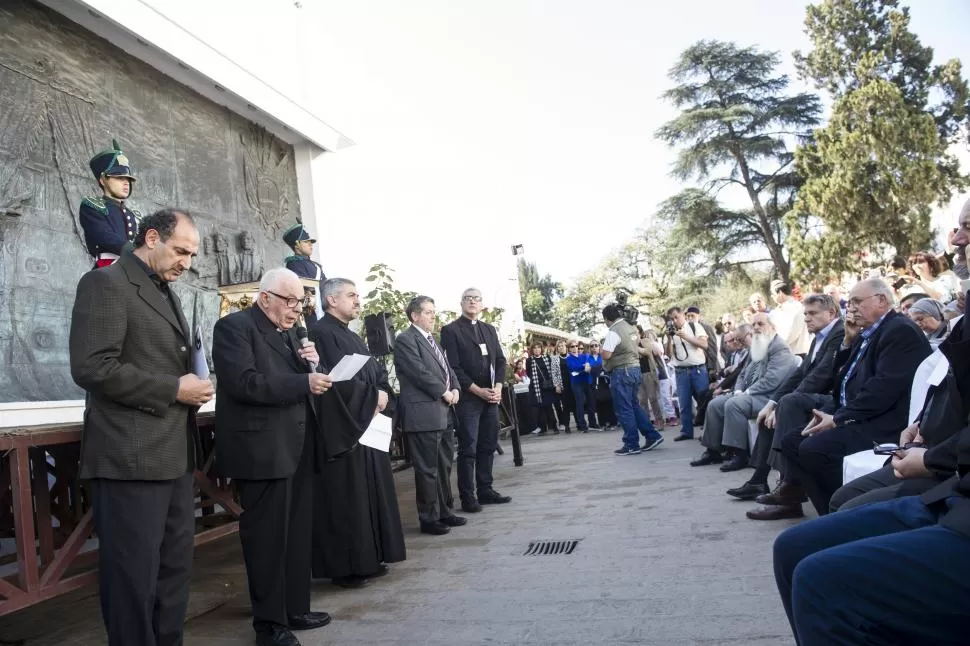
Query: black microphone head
[(301, 333)]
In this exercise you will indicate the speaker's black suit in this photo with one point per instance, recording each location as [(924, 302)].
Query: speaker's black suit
[(262, 442)]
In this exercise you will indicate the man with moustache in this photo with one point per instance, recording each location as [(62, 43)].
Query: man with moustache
[(129, 347), (429, 389), (771, 362), (108, 224), (356, 523), (265, 442), (475, 354)]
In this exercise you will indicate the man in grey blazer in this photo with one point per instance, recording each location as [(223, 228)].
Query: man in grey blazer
[(771, 363), (429, 388), (130, 350)]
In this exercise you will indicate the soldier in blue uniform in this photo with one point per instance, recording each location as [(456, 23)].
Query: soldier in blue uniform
[(299, 263), (107, 223)]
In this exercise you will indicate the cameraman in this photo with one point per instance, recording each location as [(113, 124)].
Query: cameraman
[(622, 360), (687, 346)]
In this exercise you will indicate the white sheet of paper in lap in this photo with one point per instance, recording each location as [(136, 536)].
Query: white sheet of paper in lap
[(378, 434), (349, 366)]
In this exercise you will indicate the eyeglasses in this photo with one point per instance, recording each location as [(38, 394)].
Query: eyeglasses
[(570, 347), (856, 302), (473, 299), (289, 300)]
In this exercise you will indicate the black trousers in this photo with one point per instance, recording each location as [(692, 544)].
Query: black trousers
[(477, 435), (432, 454), (816, 461), (146, 530), (276, 529), (794, 411)]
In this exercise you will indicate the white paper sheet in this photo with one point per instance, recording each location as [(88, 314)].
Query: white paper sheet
[(349, 366), (378, 434), (199, 365)]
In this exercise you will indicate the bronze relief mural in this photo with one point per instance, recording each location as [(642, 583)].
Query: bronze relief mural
[(66, 94)]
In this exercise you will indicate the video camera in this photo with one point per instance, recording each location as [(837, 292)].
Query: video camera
[(627, 311)]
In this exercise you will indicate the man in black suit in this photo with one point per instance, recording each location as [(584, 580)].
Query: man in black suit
[(475, 354), (812, 379), (129, 350), (893, 572), (429, 388), (871, 396), (265, 442)]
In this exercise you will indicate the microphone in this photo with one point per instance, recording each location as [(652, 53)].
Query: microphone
[(304, 341)]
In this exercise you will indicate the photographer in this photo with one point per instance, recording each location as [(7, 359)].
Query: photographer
[(687, 345)]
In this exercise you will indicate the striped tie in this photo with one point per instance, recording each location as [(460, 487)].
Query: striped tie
[(441, 361)]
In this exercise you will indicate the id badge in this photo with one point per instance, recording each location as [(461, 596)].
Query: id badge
[(484, 349)]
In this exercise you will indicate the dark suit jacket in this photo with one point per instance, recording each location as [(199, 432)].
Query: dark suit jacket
[(461, 344), (422, 380), (815, 377), (128, 350), (877, 393), (262, 398)]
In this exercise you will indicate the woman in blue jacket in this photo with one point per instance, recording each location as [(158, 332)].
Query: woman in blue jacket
[(580, 380)]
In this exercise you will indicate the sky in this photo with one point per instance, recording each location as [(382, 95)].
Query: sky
[(479, 125)]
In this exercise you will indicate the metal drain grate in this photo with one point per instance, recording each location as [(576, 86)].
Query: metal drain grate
[(547, 548)]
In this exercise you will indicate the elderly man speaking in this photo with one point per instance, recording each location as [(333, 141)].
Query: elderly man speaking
[(728, 413)]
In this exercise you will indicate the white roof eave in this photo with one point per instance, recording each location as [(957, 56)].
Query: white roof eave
[(146, 34)]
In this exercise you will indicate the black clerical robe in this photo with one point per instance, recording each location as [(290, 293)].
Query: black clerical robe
[(356, 521)]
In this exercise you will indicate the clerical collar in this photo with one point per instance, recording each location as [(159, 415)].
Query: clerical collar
[(328, 315), (470, 321)]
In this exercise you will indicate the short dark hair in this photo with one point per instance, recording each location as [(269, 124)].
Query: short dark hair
[(918, 296), (784, 288), (414, 307), (611, 312), (824, 301), (672, 311), (164, 222)]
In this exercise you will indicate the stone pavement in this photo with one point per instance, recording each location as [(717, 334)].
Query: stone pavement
[(664, 557)]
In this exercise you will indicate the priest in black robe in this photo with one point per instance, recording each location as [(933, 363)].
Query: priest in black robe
[(356, 523)]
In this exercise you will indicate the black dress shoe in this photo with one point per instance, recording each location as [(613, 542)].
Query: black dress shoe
[(276, 635), (470, 507), (493, 498), (748, 491), (709, 457), (308, 621), (435, 529), (682, 437), (381, 570), (736, 463), (453, 521), (349, 582)]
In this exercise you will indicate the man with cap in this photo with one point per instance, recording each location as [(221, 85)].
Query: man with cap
[(299, 240), (107, 223)]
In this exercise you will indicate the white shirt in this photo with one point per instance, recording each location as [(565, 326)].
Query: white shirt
[(688, 355), (611, 341)]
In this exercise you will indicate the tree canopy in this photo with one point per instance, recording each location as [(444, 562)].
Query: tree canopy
[(737, 128), (539, 293), (872, 174)]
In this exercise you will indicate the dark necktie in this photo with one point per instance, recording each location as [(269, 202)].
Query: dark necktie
[(441, 361)]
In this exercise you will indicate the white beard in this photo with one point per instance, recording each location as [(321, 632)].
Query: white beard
[(759, 346)]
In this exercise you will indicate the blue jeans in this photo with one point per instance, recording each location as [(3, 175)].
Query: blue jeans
[(690, 383), (624, 384), (881, 574), (585, 405)]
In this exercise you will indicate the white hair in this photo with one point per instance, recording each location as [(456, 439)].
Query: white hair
[(275, 277), (879, 286), (470, 290)]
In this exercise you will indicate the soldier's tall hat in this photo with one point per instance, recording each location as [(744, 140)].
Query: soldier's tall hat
[(296, 233), (111, 163)]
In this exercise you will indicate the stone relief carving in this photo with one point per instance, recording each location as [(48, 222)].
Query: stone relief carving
[(265, 162), (66, 94)]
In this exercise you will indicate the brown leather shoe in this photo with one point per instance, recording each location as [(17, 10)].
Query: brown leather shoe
[(776, 512), (784, 494)]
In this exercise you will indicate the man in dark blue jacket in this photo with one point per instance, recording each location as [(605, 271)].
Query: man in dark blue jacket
[(108, 224), (874, 375), (299, 240)]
